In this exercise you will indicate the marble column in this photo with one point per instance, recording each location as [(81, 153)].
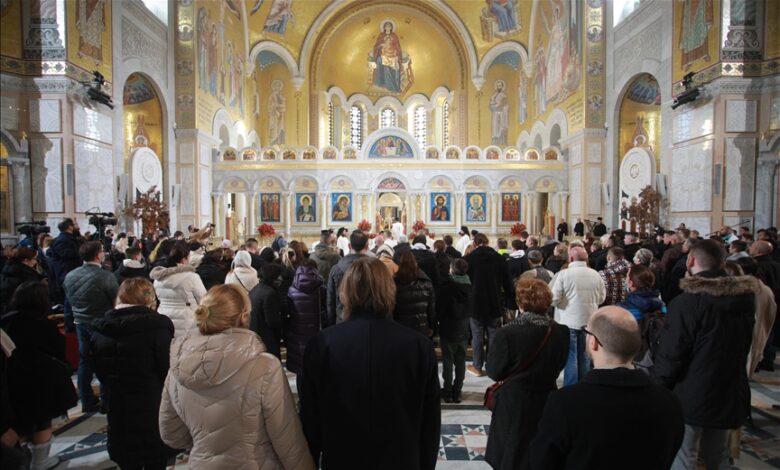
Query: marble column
[(22, 198), (766, 192), (286, 213), (456, 210), (240, 214), (219, 220), (251, 228), (494, 199), (532, 212), (323, 210)]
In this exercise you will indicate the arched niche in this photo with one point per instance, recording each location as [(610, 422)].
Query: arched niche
[(142, 117), (639, 121), (438, 53), (276, 74)]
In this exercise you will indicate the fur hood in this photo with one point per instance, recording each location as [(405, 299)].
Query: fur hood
[(720, 286), (159, 273)]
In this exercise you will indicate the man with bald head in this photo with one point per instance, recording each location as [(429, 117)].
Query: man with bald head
[(587, 425), (701, 354), (769, 273), (577, 293)]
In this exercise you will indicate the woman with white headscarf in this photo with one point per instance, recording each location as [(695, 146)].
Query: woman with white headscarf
[(242, 274)]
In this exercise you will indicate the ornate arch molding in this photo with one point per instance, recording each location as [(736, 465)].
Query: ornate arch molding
[(221, 117), (493, 53), (281, 52), (312, 40), (16, 149)]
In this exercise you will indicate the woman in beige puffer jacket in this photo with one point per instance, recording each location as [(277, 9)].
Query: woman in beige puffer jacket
[(225, 398)]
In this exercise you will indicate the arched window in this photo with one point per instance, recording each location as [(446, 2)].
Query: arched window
[(445, 124), (387, 118), (421, 126), (356, 126)]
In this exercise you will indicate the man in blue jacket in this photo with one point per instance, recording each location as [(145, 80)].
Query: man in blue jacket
[(63, 258)]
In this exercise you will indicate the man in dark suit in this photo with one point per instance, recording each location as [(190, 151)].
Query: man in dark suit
[(599, 229), (563, 230), (579, 228), (589, 425)]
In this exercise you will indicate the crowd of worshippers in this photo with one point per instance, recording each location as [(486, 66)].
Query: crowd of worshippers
[(660, 333)]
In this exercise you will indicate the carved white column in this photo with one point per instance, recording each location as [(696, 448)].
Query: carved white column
[(323, 210), (251, 228), (219, 219), (493, 213), (22, 197), (286, 211), (564, 204), (456, 210), (533, 212), (241, 218), (765, 192)]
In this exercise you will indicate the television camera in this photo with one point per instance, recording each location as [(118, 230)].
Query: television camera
[(691, 92), (101, 220), (95, 89), (32, 229)]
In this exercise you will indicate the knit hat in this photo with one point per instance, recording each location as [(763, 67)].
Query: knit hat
[(386, 250)]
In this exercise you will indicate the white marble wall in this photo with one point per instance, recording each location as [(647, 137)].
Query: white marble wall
[(701, 223), (691, 181), (9, 117), (575, 188), (46, 163), (94, 177), (740, 116), (740, 173), (187, 197), (92, 124), (205, 192), (693, 122), (594, 190), (45, 116)]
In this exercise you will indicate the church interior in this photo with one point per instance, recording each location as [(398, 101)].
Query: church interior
[(294, 117)]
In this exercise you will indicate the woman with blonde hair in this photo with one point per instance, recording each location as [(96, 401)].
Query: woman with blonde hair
[(242, 274), (130, 349), (225, 398), (370, 386)]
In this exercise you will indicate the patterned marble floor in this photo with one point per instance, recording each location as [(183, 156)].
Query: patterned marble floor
[(81, 440)]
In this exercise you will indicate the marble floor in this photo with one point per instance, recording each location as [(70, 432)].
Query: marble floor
[(81, 439)]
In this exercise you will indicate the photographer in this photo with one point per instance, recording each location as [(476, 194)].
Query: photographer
[(64, 258), (20, 268)]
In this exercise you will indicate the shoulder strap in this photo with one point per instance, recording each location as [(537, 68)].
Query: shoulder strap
[(523, 366)]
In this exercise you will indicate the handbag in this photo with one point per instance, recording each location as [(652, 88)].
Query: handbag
[(490, 392)]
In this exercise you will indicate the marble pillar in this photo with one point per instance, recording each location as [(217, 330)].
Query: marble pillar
[(457, 210), (287, 213), (323, 210), (251, 228), (495, 198), (219, 219), (766, 192), (22, 198), (533, 213), (241, 216)]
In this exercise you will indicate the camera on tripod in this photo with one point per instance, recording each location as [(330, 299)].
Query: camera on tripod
[(101, 220), (32, 229)]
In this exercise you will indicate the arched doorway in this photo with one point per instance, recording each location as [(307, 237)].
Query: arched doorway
[(390, 204)]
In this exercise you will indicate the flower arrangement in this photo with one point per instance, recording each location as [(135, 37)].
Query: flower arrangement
[(364, 226), (266, 230), (418, 225), (517, 229)]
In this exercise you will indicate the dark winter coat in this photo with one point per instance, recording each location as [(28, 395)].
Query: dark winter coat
[(555, 263), (704, 346), (415, 304), (519, 402), (64, 256), (452, 252), (130, 351), (579, 229), (131, 269), (673, 277), (599, 230), (642, 302), (400, 249), (598, 259), (325, 257), (443, 264), (333, 303), (629, 251), (39, 378), (428, 264), (452, 309), (266, 316), (369, 396), (516, 265), (12, 276), (487, 271), (305, 314), (211, 272), (594, 424), (91, 291), (768, 270)]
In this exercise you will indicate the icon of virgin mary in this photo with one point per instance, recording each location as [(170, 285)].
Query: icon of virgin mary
[(390, 66)]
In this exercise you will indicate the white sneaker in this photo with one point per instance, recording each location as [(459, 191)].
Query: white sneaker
[(40, 457)]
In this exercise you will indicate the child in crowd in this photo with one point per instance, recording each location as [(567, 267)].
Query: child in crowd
[(452, 310)]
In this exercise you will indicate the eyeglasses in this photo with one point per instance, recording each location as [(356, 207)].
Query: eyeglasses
[(585, 330)]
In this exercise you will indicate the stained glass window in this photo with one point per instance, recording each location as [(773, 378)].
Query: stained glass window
[(421, 126)]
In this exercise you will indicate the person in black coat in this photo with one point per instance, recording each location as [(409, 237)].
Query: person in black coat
[(306, 300), (425, 258), (20, 268), (415, 300), (599, 230), (130, 351), (516, 265), (579, 228), (211, 269), (443, 260), (529, 354), (617, 416), (369, 390), (702, 352), (39, 378), (452, 309), (562, 230), (487, 271), (63, 258), (132, 266), (450, 250), (266, 316)]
